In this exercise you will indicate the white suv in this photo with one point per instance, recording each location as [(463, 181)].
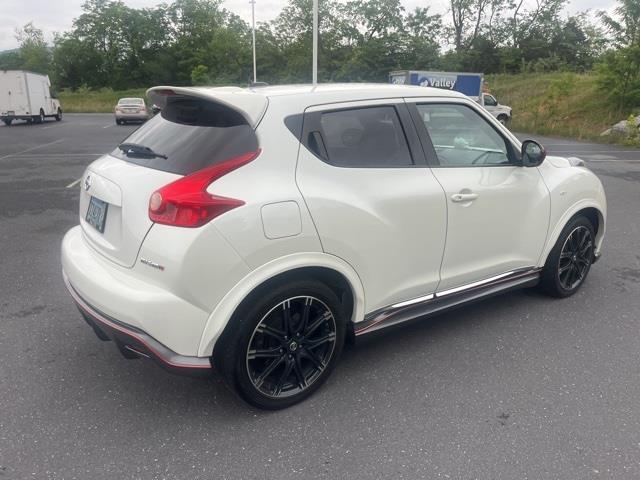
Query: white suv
[(254, 231)]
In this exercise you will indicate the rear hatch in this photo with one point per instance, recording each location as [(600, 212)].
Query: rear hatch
[(191, 133)]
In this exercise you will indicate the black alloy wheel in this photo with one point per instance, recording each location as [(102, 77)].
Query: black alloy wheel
[(570, 260), (575, 258), (282, 343), (291, 347)]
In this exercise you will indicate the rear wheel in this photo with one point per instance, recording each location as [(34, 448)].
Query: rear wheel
[(284, 346), (58, 116), (503, 119), (8, 121), (570, 260), (118, 122)]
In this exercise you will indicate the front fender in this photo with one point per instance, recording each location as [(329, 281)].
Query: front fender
[(572, 189), (227, 306)]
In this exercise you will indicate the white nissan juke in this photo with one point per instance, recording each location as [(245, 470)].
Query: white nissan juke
[(252, 232)]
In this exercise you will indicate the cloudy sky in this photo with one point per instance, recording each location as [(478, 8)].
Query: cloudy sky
[(57, 15)]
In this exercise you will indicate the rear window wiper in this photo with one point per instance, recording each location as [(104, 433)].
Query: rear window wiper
[(136, 150)]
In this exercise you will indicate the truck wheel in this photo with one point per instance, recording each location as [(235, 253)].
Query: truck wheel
[(8, 121), (503, 119), (58, 116), (41, 116)]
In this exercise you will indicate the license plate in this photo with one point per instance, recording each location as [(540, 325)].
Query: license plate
[(97, 214)]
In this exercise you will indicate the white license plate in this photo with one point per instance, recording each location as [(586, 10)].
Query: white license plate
[(97, 214)]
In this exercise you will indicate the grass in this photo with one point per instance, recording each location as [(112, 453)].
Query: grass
[(95, 101), (558, 104)]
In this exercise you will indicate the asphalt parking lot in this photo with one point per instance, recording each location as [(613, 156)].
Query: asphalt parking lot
[(516, 387)]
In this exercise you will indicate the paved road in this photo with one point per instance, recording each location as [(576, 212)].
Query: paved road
[(516, 387)]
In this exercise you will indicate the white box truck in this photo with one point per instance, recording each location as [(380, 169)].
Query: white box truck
[(470, 84), (26, 96)]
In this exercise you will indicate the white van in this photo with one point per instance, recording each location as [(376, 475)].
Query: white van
[(26, 96)]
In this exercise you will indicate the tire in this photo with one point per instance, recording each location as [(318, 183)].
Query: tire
[(40, 118), (8, 122), (58, 116), (118, 122), (503, 119), (570, 260), (272, 367)]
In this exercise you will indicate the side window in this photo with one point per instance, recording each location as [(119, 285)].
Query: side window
[(365, 137), (490, 101), (461, 137)]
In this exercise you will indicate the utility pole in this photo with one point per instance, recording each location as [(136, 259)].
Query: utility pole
[(253, 35), (314, 75)]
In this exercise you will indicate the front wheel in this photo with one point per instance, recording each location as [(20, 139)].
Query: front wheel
[(570, 259), (8, 121), (58, 115), (284, 346), (503, 119)]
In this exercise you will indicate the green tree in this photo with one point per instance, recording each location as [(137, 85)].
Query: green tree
[(34, 53), (619, 71)]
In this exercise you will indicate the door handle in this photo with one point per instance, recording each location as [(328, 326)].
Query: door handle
[(464, 197)]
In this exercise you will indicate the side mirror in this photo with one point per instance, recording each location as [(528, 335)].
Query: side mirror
[(533, 154)]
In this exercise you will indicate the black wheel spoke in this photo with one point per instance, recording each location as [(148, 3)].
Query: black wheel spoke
[(316, 323), (272, 366), (586, 249), (305, 314), (297, 367), (265, 353), (314, 359), (273, 332), (320, 341), (286, 317), (277, 388)]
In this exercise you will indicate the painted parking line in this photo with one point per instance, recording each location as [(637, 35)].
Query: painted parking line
[(33, 148), (74, 183)]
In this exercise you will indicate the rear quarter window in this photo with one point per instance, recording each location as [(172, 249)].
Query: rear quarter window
[(365, 137), (192, 134)]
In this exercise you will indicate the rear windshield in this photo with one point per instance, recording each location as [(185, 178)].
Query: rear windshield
[(130, 101), (192, 134)]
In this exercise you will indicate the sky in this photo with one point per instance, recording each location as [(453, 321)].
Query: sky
[(57, 15)]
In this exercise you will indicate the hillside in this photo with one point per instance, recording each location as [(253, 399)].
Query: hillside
[(560, 104), (95, 101)]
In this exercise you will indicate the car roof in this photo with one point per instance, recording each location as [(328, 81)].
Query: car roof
[(252, 102)]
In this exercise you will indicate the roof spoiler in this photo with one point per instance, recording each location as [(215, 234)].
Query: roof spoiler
[(249, 104)]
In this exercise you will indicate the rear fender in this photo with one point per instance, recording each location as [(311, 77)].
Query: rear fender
[(225, 309)]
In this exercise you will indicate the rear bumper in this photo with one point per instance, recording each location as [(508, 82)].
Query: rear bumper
[(134, 343), (131, 297), (132, 116)]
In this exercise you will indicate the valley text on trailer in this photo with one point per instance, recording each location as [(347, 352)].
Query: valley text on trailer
[(469, 84), (26, 96)]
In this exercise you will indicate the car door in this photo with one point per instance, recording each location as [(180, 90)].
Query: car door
[(372, 197), (498, 210)]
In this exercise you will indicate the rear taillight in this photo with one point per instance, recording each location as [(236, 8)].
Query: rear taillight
[(186, 203)]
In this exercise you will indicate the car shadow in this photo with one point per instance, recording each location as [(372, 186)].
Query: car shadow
[(212, 397)]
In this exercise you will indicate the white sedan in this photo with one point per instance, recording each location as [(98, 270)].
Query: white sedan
[(254, 231)]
